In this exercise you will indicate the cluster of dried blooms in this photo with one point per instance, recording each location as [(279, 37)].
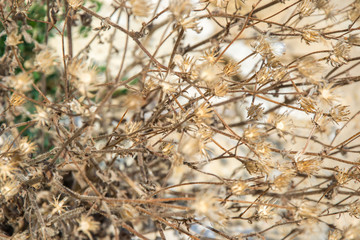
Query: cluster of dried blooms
[(212, 119)]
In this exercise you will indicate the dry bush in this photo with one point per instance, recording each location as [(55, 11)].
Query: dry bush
[(211, 119)]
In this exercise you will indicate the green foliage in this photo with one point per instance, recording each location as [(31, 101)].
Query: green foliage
[(98, 4), (37, 11), (84, 31), (122, 92), (2, 42), (101, 69)]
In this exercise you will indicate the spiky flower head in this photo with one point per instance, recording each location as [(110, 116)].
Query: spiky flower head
[(26, 146), (13, 39), (141, 8), (59, 206), (75, 4), (20, 82), (88, 225), (45, 61), (310, 36)]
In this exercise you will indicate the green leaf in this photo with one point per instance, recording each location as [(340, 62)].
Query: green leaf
[(84, 31), (119, 93)]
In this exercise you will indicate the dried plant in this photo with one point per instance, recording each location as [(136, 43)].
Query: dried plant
[(179, 119)]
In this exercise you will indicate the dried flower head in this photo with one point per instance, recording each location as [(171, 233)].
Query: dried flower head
[(170, 84), (351, 232), (308, 104), (239, 188), (59, 206), (10, 189), (209, 74), (260, 166), (309, 67), (204, 131), (220, 3), (45, 61), (335, 235), (210, 56), (307, 7), (354, 209), (42, 116), (141, 8), (282, 122), (253, 134), (340, 54), (321, 4), (8, 169), (221, 89), (265, 211), (255, 111), (17, 100), (21, 82), (75, 4), (180, 9), (84, 77), (263, 149), (26, 146), (308, 166), (310, 36), (327, 94), (284, 179), (263, 75), (279, 74), (191, 23), (167, 148), (353, 14), (207, 206), (231, 69), (321, 122), (340, 113), (13, 39), (128, 212), (203, 113), (341, 176), (88, 225), (184, 63), (190, 146), (305, 210), (262, 46), (353, 39), (132, 127), (178, 60)]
